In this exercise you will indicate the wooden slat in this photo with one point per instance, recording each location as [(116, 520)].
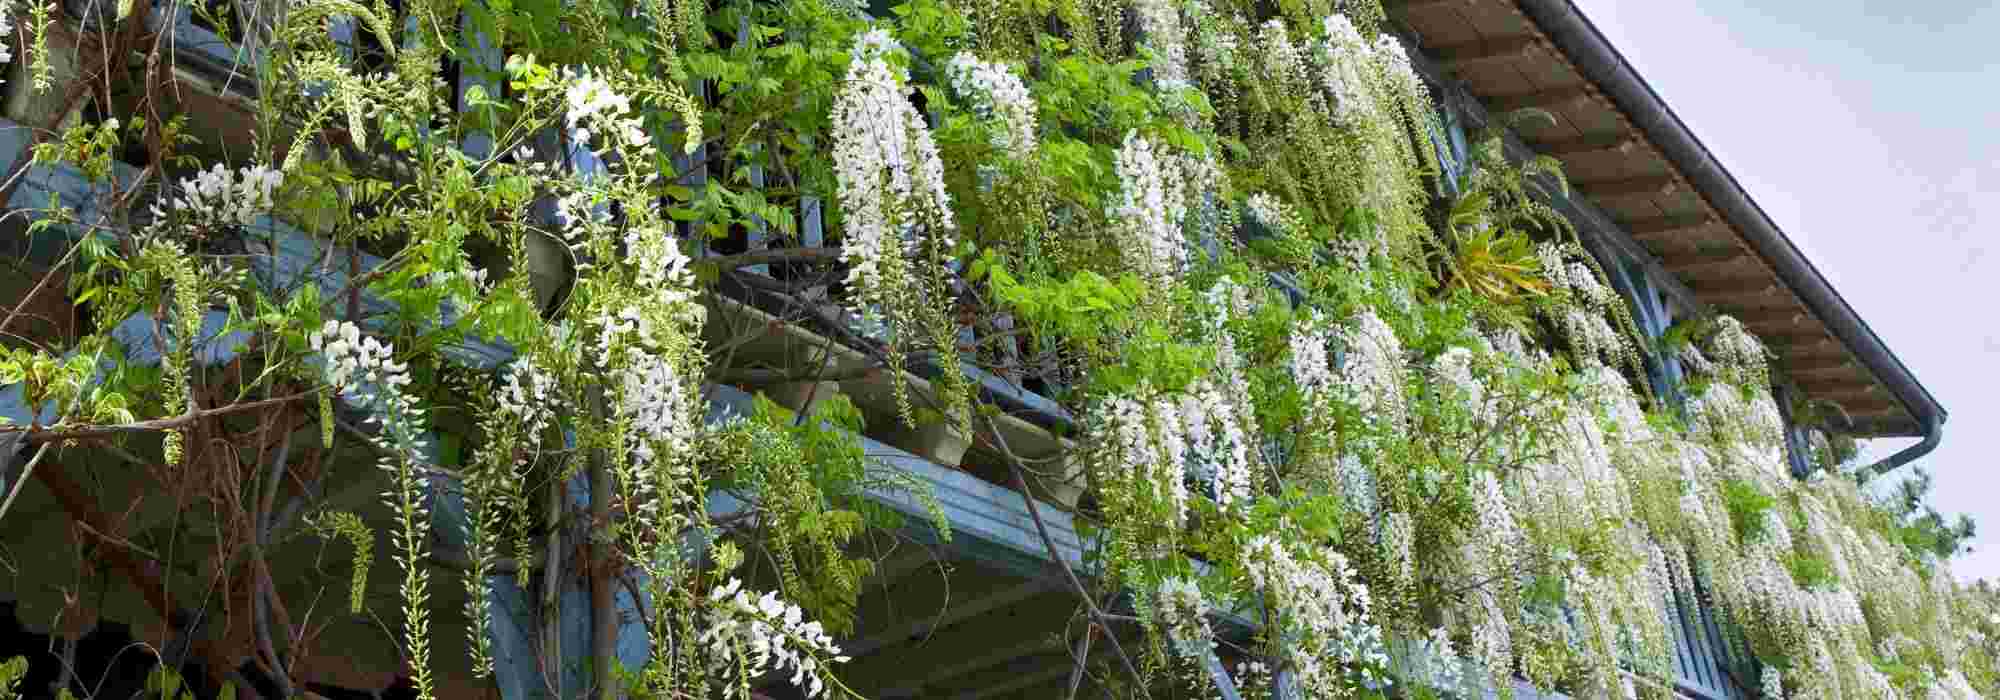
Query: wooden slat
[(1546, 99), (1634, 187), (1739, 288), (1602, 143), (1419, 5), (1459, 56), (1667, 228), (1705, 260), (1774, 319), (1818, 364)]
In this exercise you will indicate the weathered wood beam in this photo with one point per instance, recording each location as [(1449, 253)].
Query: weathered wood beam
[(1023, 682), (1772, 320), (1799, 343), (928, 678), (1819, 364), (1633, 187), (1617, 144), (924, 622), (1739, 288), (1459, 56), (1667, 228), (1419, 5), (1704, 260), (1550, 100)]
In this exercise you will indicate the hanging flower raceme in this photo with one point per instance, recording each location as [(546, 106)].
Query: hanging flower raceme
[(996, 92), (596, 109), (221, 197), (747, 637), (1218, 447), (1144, 469), (1151, 206), (1371, 376), (1184, 612), (363, 368), (1323, 613), (1346, 59), (891, 181)]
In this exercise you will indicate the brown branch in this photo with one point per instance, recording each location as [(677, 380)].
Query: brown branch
[(1042, 529), (156, 425)]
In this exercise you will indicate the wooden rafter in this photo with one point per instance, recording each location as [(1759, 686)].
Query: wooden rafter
[(1704, 260), (1547, 100), (1460, 56), (1666, 229), (1633, 187), (1619, 144)]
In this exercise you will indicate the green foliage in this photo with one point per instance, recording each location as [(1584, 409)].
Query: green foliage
[(348, 526), (11, 672), (1749, 509)]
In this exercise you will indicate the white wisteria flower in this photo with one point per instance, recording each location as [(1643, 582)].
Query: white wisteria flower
[(890, 177), (1185, 613), (221, 197), (1150, 209), (996, 92), (747, 637)]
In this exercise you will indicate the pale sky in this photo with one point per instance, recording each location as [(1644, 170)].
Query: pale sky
[(1870, 131)]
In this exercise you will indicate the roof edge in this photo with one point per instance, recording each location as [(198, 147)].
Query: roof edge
[(1599, 61)]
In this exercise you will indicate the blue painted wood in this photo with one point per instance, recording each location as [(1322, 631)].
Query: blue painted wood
[(481, 58)]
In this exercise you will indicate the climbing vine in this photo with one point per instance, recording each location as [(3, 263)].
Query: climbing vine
[(1410, 438)]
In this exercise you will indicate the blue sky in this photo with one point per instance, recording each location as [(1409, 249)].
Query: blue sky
[(1870, 131)]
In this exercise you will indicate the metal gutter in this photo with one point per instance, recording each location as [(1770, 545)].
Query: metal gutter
[(1593, 55)]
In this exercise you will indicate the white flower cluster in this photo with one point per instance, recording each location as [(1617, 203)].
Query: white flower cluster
[(1399, 539), (354, 361), (1371, 374), (1320, 600), (595, 107), (1347, 58), (1153, 203), (1453, 370), (1311, 365), (1185, 613), (1218, 447), (1437, 663), (1148, 441), (663, 408), (662, 267), (6, 29), (1735, 350), (749, 637), (525, 395), (996, 92), (220, 197), (1164, 33), (890, 177), (1590, 334), (1273, 214)]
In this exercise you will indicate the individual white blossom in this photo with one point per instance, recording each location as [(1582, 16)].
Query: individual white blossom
[(747, 637), (996, 92)]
